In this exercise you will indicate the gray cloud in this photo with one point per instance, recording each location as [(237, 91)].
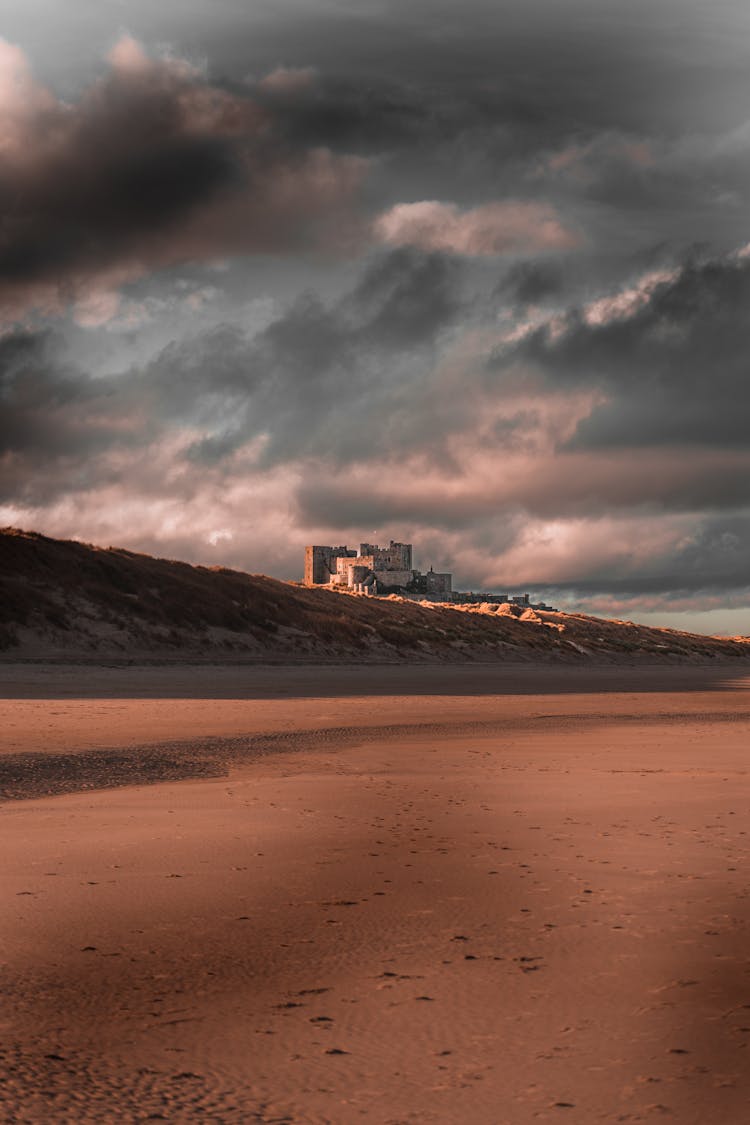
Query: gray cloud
[(673, 369), (337, 382), (369, 355), (50, 408), (531, 283), (713, 561)]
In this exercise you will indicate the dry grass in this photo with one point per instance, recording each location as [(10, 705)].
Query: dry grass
[(66, 597)]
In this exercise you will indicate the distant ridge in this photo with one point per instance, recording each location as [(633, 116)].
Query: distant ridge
[(65, 600)]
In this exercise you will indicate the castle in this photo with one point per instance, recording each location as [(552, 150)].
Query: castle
[(388, 570), (374, 570)]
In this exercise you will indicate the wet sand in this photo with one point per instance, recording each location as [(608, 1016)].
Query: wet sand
[(408, 898)]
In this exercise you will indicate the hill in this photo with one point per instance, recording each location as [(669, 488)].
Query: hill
[(65, 600)]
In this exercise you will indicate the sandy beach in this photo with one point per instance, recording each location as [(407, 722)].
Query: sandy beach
[(493, 895)]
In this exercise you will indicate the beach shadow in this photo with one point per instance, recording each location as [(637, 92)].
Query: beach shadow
[(218, 681)]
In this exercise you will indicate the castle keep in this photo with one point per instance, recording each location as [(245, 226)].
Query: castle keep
[(374, 570)]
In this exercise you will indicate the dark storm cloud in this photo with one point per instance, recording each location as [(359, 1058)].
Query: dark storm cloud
[(717, 554), (404, 299), (347, 116), (498, 104), (529, 283), (338, 381), (152, 164), (674, 368), (50, 408), (646, 57), (495, 126), (536, 100), (608, 64), (155, 163), (58, 425)]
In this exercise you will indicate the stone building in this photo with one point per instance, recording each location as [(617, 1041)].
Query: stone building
[(374, 570), (320, 563)]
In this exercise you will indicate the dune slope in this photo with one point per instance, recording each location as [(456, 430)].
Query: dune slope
[(69, 600)]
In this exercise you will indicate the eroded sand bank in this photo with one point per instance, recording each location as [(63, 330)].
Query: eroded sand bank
[(523, 901)]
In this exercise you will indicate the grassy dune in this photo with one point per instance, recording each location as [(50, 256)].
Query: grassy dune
[(62, 599)]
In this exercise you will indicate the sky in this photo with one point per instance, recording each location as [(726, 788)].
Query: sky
[(474, 276)]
